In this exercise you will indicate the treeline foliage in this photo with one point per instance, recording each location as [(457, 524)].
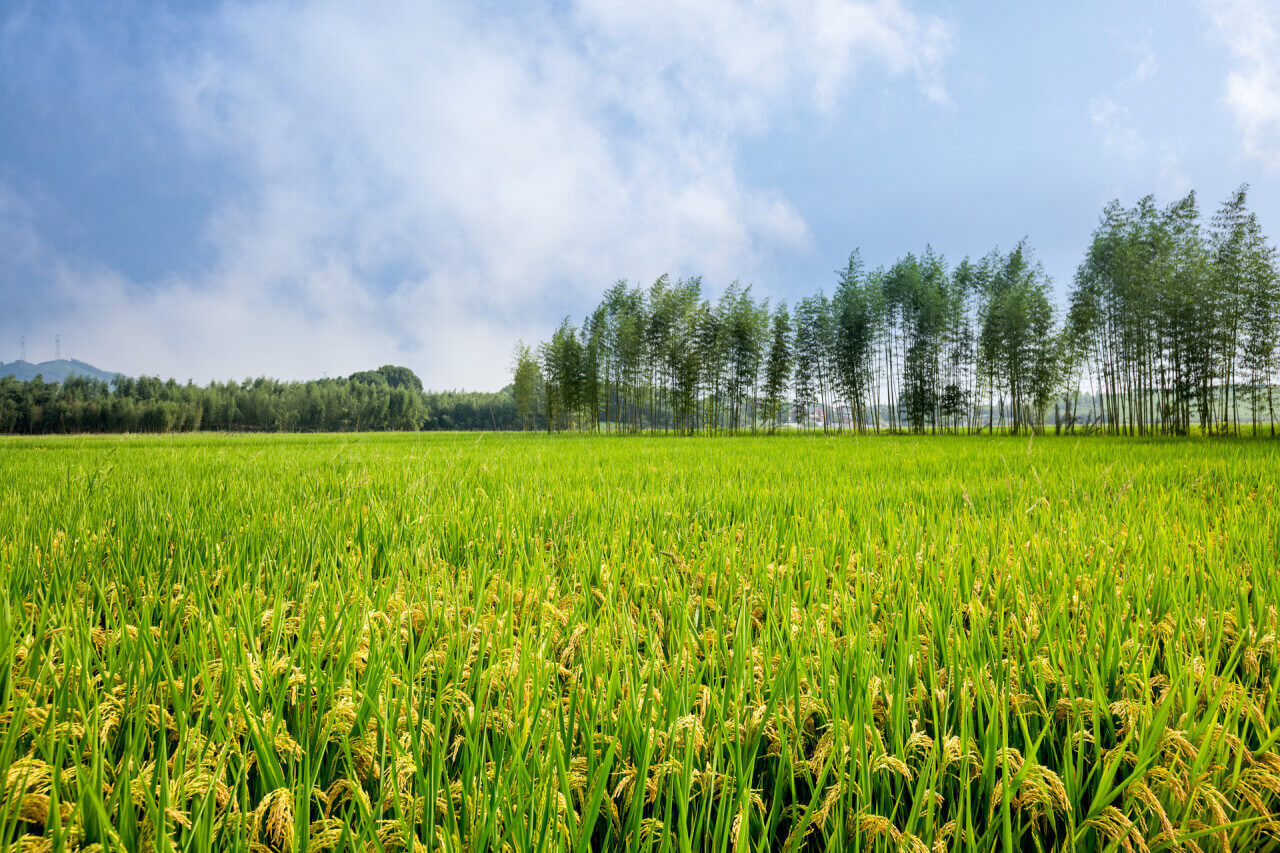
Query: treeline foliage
[(148, 404), (390, 398), (1172, 325)]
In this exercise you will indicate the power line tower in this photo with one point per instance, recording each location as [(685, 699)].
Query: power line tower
[(22, 348), (57, 347)]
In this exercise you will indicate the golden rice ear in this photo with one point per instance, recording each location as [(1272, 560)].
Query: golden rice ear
[(325, 834), (342, 791), (35, 844), (626, 783), (829, 801), (1144, 794), (911, 843), (1210, 799), (919, 744), (689, 729), (28, 774), (891, 764), (1173, 784), (1115, 826), (821, 752), (273, 820), (738, 834), (34, 808), (996, 798)]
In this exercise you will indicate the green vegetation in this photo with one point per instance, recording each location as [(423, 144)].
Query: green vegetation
[(390, 398), (526, 643), (1171, 327)]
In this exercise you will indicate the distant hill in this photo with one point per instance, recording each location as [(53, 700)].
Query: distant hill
[(53, 371)]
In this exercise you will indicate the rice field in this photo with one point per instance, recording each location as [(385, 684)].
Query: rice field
[(524, 643)]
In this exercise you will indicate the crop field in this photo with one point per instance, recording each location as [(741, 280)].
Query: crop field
[(524, 643)]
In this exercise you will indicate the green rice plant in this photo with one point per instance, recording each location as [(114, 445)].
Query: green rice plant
[(511, 642)]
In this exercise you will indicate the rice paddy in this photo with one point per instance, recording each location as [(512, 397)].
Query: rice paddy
[(524, 643)]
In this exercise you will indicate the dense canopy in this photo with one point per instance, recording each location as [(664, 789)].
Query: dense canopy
[(1171, 324)]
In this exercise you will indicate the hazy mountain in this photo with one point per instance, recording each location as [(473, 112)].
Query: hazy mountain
[(53, 371)]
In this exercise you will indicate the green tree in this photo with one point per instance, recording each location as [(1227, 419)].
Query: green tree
[(526, 376), (777, 367), (390, 375)]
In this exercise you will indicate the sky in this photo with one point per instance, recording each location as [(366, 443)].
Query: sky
[(224, 190)]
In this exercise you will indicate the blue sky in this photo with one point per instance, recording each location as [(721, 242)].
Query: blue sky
[(233, 189)]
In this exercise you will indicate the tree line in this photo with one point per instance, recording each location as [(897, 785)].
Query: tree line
[(1172, 324), (389, 398)]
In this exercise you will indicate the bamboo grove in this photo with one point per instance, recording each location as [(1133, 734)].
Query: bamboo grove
[(1172, 325)]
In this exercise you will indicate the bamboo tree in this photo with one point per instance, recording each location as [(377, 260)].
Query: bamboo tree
[(778, 366), (854, 317), (526, 378), (806, 350), (1167, 326)]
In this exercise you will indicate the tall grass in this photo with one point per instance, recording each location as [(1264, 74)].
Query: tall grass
[(504, 642)]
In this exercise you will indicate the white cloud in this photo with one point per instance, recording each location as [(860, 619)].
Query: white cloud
[(1113, 123), (1146, 66), (1159, 163), (422, 183), (1251, 30)]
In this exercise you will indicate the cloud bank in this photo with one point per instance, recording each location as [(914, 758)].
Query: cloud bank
[(422, 184), (1251, 31)]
